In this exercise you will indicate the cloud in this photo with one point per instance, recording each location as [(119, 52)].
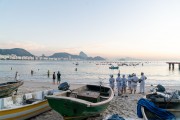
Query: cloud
[(25, 45)]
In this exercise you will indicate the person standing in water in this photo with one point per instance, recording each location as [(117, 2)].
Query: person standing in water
[(58, 77), (16, 76), (54, 77), (32, 72), (48, 73)]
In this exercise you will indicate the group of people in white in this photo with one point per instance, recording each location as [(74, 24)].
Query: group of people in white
[(131, 82)]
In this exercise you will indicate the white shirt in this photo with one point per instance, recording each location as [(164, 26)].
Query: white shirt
[(118, 81), (111, 81), (135, 79), (143, 78)]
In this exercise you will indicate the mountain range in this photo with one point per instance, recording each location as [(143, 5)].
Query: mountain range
[(15, 51), (23, 52)]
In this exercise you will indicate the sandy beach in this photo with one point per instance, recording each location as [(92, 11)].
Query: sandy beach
[(124, 106)]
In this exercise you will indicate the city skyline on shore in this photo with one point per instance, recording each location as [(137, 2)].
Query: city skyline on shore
[(111, 29)]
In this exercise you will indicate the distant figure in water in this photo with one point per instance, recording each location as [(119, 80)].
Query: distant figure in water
[(32, 72), (58, 77), (75, 69), (54, 77), (16, 76), (48, 73), (11, 68)]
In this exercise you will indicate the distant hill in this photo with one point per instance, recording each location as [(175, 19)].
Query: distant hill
[(65, 55), (15, 51), (81, 55), (95, 58)]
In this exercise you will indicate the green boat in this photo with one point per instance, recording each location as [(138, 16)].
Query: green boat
[(113, 67), (86, 101)]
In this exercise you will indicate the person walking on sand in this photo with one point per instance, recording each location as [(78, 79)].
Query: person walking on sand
[(134, 83), (54, 77), (58, 77), (111, 82), (142, 83), (118, 83)]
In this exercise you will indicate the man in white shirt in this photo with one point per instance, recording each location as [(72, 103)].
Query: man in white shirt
[(111, 82), (134, 81), (124, 84), (142, 83), (118, 83), (129, 82)]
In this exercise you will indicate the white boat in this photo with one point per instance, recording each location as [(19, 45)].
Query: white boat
[(20, 107)]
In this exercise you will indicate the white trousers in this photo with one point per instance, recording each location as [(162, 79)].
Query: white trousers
[(142, 87)]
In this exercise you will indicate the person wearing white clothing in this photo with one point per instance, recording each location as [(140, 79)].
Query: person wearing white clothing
[(111, 82), (135, 79), (129, 82), (118, 83), (123, 82), (142, 83)]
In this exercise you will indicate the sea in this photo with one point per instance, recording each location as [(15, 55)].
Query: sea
[(91, 72)]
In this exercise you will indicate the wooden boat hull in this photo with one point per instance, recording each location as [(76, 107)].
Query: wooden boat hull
[(77, 109), (8, 88), (25, 112)]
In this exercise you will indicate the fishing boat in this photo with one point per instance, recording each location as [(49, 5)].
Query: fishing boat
[(114, 67), (8, 88), (83, 102), (20, 107), (172, 105)]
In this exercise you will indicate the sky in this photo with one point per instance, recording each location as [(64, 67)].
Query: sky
[(146, 29)]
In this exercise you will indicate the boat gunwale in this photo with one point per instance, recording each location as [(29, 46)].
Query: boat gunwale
[(89, 104), (23, 106), (13, 84)]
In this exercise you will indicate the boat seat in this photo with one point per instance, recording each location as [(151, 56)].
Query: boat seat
[(28, 98), (18, 99), (7, 102), (104, 97), (38, 95), (1, 103), (45, 93)]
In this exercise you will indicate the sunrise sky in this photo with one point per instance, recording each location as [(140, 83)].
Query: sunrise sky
[(147, 29)]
